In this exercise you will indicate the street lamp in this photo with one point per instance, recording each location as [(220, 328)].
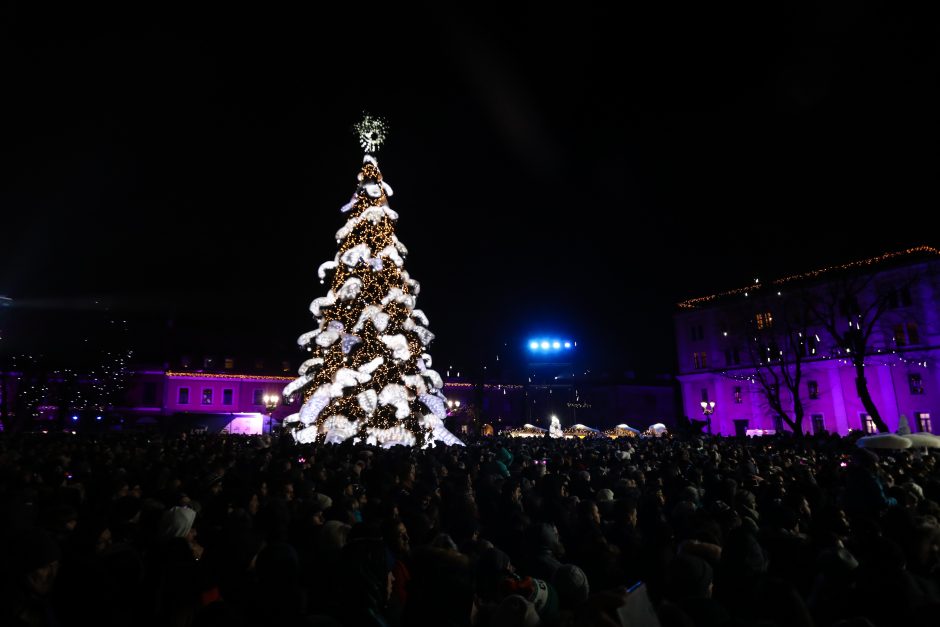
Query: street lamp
[(708, 408), (270, 403)]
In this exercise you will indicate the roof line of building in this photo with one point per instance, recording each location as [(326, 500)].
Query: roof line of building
[(692, 303)]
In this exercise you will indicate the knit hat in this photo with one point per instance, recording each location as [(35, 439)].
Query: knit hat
[(605, 494), (515, 611), (177, 522), (536, 591), (572, 586)]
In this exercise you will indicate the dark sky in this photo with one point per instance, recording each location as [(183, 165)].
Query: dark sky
[(571, 170)]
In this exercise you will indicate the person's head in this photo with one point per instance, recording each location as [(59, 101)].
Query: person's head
[(572, 586), (689, 577), (396, 538)]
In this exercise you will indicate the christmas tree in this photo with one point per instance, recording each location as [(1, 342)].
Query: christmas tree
[(369, 375)]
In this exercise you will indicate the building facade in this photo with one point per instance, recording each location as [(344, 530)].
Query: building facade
[(753, 355)]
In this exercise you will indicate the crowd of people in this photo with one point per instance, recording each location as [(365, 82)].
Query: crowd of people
[(214, 530)]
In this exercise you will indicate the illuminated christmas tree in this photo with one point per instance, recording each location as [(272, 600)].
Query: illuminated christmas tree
[(369, 374)]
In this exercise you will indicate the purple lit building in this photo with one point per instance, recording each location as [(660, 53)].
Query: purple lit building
[(749, 353), (220, 398)]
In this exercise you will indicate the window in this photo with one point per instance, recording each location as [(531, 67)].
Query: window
[(183, 398), (906, 334), (206, 396), (150, 393), (738, 398), (813, 388), (698, 332), (913, 335), (227, 396), (208, 362), (705, 394), (736, 356), (704, 358), (764, 320), (868, 424), (819, 424), (727, 356), (923, 422), (699, 360), (285, 366), (229, 363), (916, 383), (259, 364), (258, 397)]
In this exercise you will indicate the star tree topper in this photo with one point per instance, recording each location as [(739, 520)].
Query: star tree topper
[(372, 132)]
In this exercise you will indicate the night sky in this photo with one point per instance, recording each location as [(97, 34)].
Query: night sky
[(571, 171)]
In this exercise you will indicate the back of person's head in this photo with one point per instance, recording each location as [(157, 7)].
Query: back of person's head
[(572, 586), (515, 611), (689, 577)]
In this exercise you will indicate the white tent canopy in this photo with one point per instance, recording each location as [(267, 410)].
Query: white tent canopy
[(884, 441)]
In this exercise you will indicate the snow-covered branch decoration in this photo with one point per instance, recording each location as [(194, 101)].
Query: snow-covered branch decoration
[(338, 429), (324, 267), (350, 289), (297, 384), (399, 345), (401, 249), (392, 253), (310, 363), (373, 190), (347, 378), (350, 340), (349, 206), (323, 301), (397, 295), (304, 339), (331, 334), (418, 315), (435, 404), (424, 335), (436, 382), (368, 400), (356, 254), (415, 381), (315, 404), (369, 368), (396, 395)]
